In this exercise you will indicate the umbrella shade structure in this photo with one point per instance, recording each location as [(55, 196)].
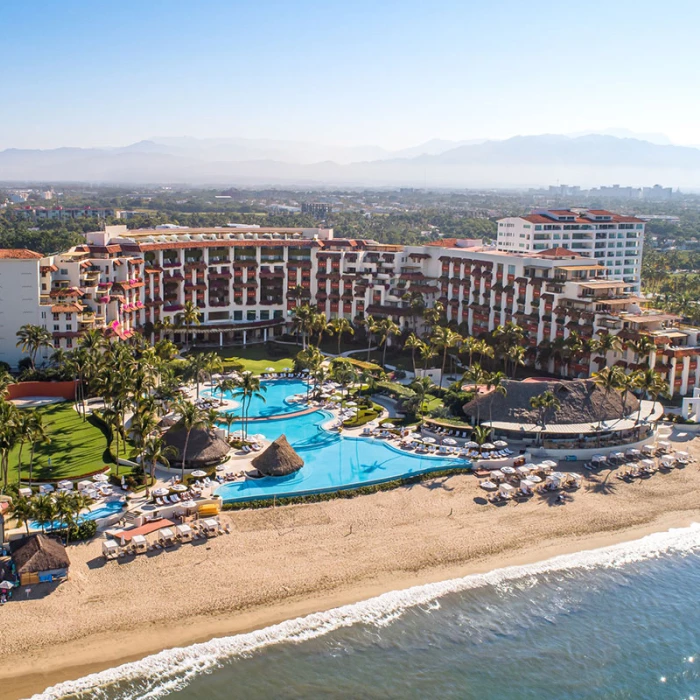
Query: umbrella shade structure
[(189, 504), (549, 463), (449, 441), (220, 468), (429, 440), (351, 403), (500, 444), (388, 426), (269, 369), (199, 474), (471, 445), (279, 459), (488, 446), (160, 491), (179, 487), (204, 448), (508, 470), (7, 585), (100, 478), (534, 478)]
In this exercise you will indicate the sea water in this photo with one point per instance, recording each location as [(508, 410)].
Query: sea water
[(618, 622)]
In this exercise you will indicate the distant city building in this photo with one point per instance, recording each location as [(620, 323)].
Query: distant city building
[(613, 240), (63, 213), (320, 210), (657, 193), (665, 218)]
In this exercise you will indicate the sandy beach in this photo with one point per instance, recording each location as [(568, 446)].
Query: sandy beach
[(290, 561)]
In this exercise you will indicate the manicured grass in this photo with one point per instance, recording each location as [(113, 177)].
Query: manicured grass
[(364, 415), (77, 447), (255, 358)]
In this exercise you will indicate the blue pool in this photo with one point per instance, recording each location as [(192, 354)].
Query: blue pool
[(331, 462), (104, 511), (274, 403)]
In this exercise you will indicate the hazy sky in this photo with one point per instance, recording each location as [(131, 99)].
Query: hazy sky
[(354, 72)]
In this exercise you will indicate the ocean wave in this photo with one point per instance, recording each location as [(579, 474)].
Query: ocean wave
[(160, 674)]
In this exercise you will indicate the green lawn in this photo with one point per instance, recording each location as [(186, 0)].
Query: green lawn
[(256, 358), (77, 447)]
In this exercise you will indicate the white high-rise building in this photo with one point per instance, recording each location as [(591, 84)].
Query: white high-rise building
[(614, 240)]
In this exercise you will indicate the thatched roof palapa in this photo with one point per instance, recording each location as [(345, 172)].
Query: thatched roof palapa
[(581, 401), (279, 459), (204, 448), (39, 553)]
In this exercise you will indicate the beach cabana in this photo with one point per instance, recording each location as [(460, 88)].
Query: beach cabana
[(279, 459), (506, 491), (65, 485), (210, 527), (140, 544), (45, 488), (167, 535), (25, 492), (184, 532), (39, 558), (85, 485), (664, 445), (526, 486), (110, 549), (554, 481), (497, 475)]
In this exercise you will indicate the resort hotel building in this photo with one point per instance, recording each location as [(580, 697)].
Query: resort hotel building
[(551, 273)]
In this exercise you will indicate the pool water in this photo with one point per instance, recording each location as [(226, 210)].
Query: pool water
[(104, 511), (274, 403), (331, 462)]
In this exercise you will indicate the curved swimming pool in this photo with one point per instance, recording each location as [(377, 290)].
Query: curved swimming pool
[(104, 511), (331, 462), (275, 398)]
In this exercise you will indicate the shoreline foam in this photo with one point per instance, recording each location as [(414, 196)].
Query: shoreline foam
[(171, 669), (178, 665)]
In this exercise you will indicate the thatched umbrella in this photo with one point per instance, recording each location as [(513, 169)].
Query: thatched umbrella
[(279, 459), (204, 448)]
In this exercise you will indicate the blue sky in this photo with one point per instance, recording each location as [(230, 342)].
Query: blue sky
[(353, 72)]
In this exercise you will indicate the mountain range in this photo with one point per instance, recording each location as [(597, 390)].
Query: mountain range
[(521, 161)]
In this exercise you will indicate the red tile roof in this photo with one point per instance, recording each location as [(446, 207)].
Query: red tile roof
[(19, 254), (558, 253)]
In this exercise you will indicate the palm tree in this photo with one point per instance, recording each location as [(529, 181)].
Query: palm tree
[(65, 510), (229, 419), (515, 354), (338, 326), (196, 369), (476, 375), (605, 343), (470, 345), (368, 322), (422, 387), (142, 425), (44, 510), (32, 338), (343, 372), (426, 352), (609, 379), (156, 451), (545, 402), (445, 338), (191, 418), (650, 383), (23, 510), (212, 365), (302, 321), (248, 388), (9, 417), (23, 428), (189, 316), (385, 329), (37, 433), (481, 434), (494, 381), (642, 347), (309, 358), (227, 384), (413, 342)]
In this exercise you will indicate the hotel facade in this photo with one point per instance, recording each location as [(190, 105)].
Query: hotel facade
[(247, 281)]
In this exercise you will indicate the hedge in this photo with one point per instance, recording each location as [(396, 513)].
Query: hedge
[(368, 366), (346, 493)]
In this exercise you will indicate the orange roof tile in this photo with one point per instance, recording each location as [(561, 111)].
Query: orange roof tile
[(19, 254)]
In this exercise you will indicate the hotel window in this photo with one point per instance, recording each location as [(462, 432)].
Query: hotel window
[(56, 327), (237, 315), (511, 269), (251, 316)]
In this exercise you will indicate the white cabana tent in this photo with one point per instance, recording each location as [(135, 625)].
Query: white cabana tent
[(184, 532), (497, 475), (506, 490), (65, 485), (110, 549), (140, 544), (599, 459), (526, 486), (25, 492), (664, 445), (523, 471), (167, 534), (210, 527), (85, 485), (45, 488), (554, 480)]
